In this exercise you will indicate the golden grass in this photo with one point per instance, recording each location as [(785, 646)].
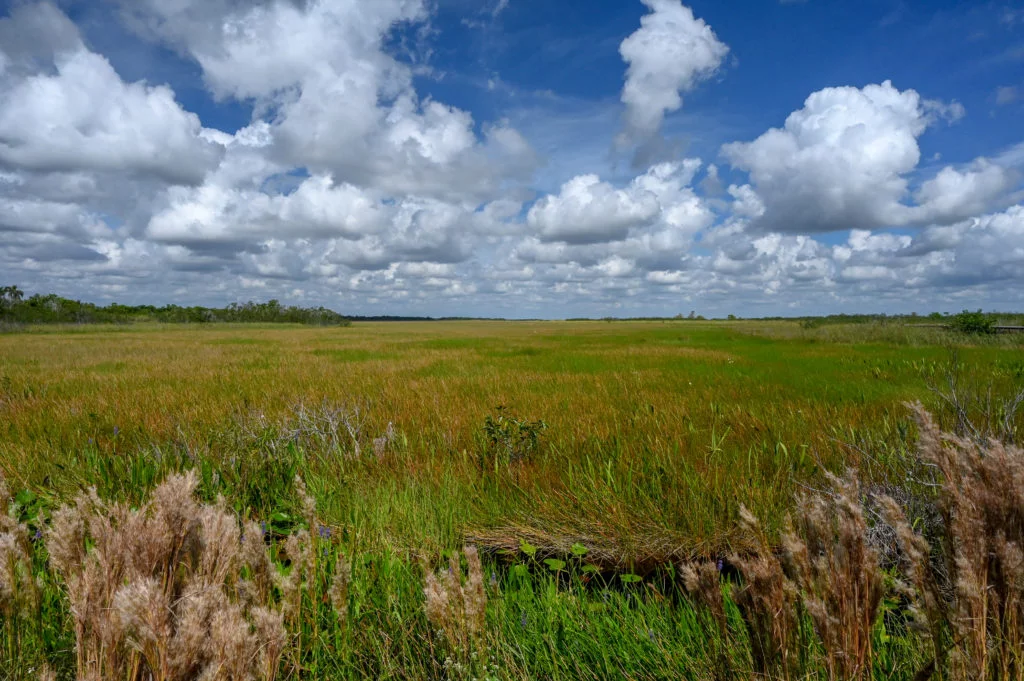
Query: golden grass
[(659, 424)]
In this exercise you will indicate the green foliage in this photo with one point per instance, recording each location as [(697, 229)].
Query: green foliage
[(53, 309), (635, 467), (973, 323), (510, 439)]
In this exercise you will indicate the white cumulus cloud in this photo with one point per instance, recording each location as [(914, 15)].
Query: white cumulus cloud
[(669, 54)]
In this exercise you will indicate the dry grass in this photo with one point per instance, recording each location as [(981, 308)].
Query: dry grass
[(457, 611), (159, 592), (657, 433), (827, 556), (981, 555), (769, 605), (19, 592)]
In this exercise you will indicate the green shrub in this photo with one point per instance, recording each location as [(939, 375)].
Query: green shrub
[(973, 322), (510, 439)]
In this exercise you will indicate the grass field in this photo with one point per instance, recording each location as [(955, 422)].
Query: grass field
[(653, 434)]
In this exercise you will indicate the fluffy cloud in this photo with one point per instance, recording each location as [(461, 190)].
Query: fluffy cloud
[(316, 209), (669, 54), (956, 194), (349, 188), (588, 210), (657, 207), (844, 161), (839, 162), (341, 104), (84, 117)]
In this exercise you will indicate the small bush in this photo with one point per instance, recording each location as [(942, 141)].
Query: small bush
[(510, 439), (973, 323)]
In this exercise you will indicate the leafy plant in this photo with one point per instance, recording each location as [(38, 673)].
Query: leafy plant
[(510, 439), (973, 323)]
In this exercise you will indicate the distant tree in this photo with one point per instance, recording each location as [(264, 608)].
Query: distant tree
[(973, 322), (10, 295), (51, 308)]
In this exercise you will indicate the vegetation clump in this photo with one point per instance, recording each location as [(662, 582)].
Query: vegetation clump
[(171, 591), (15, 308), (967, 582), (510, 439), (612, 544), (973, 323)]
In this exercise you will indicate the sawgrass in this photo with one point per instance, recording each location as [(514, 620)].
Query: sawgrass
[(656, 433)]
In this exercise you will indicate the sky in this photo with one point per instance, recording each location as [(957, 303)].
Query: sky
[(516, 158)]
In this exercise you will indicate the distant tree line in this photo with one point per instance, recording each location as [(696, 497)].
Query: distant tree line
[(15, 308)]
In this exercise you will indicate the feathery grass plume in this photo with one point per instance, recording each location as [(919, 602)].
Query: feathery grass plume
[(232, 646), (474, 598), (828, 557), (19, 592), (145, 613), (458, 612), (981, 500), (256, 558), (769, 604), (339, 589), (300, 555), (155, 592), (273, 639), (307, 502), (703, 583), (929, 601)]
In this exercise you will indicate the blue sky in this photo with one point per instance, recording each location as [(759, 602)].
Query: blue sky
[(516, 158)]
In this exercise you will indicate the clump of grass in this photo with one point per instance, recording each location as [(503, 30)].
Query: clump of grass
[(703, 583), (19, 593), (981, 550), (160, 592), (457, 611), (827, 556), (769, 604)]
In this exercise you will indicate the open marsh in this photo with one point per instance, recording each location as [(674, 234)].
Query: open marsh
[(670, 423), (653, 434)]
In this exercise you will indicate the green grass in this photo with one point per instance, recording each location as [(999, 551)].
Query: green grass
[(657, 431)]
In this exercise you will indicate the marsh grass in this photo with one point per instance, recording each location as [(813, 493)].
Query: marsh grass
[(967, 581), (656, 435)]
